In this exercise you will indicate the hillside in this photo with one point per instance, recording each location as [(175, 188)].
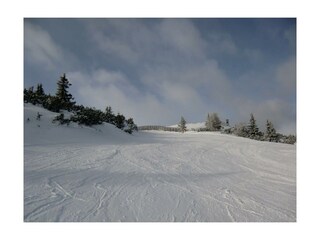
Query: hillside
[(45, 132), (75, 173)]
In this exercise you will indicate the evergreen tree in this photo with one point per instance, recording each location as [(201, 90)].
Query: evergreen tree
[(77, 108), (270, 134), (88, 116), (119, 121), (52, 103), (213, 122), (291, 139), (182, 125), (29, 96), (40, 96), (131, 126), (253, 130), (26, 96), (216, 122), (60, 118), (109, 116), (241, 130), (63, 95)]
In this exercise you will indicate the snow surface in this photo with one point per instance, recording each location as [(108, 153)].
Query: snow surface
[(191, 126), (74, 173)]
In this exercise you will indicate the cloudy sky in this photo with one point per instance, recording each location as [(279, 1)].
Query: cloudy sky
[(157, 70)]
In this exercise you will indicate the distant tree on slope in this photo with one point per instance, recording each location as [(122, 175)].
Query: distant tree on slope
[(253, 130), (63, 95), (241, 130), (213, 122), (182, 125), (40, 95), (29, 96), (270, 134)]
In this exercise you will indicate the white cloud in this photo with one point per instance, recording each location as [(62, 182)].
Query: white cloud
[(115, 47), (222, 43), (124, 97), (176, 77), (182, 36), (179, 94), (205, 75), (253, 54), (286, 75), (40, 48), (41, 51), (103, 76), (279, 112), (164, 101), (172, 67), (164, 41)]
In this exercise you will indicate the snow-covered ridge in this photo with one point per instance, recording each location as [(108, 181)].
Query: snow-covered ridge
[(44, 131)]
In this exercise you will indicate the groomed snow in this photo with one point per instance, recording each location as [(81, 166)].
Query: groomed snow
[(191, 126), (74, 173)]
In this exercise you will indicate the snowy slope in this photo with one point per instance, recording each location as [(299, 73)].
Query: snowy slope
[(83, 174), (45, 132), (191, 126)]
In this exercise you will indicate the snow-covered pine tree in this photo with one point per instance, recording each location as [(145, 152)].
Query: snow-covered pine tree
[(182, 125), (253, 129), (63, 95), (291, 139), (270, 134), (241, 130), (213, 122)]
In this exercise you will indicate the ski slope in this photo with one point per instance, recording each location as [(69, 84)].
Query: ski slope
[(192, 126), (74, 173)]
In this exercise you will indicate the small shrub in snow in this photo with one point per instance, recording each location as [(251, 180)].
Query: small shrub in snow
[(119, 121), (60, 118), (88, 116), (130, 126)]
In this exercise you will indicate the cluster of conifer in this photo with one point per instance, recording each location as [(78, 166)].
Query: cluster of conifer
[(64, 101), (270, 134), (247, 130)]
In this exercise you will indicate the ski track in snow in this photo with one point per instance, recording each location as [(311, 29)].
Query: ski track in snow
[(159, 176)]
